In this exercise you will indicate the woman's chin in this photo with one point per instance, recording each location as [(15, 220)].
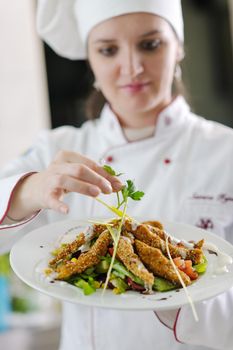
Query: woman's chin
[(137, 108)]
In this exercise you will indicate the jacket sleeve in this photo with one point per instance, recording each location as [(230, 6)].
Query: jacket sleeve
[(214, 329), (35, 159)]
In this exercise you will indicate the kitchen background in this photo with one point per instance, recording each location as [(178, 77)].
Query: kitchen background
[(40, 90)]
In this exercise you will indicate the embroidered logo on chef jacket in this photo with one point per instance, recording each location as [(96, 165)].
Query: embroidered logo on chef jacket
[(205, 223), (210, 212)]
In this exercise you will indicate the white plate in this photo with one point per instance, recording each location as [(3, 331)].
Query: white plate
[(32, 252)]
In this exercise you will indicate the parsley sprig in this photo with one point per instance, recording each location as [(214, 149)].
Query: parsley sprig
[(127, 191)]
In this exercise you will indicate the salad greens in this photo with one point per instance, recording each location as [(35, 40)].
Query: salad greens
[(110, 272), (201, 268), (91, 279)]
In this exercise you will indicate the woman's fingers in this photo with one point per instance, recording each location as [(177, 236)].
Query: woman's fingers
[(76, 158), (69, 172), (73, 172), (67, 184), (73, 157), (70, 184), (64, 173), (56, 204), (114, 180)]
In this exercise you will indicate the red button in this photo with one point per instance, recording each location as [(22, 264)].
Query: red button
[(109, 159), (167, 161)]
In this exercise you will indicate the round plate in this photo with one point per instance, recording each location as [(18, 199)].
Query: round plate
[(30, 255)]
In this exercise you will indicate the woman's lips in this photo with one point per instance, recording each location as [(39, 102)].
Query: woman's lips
[(135, 87)]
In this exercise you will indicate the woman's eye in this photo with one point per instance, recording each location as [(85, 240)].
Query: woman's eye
[(108, 51), (150, 45)]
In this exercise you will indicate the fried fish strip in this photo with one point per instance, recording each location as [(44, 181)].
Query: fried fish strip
[(156, 224), (144, 234), (98, 228), (128, 235), (158, 232), (125, 253), (155, 227), (159, 264), (199, 244), (69, 249), (161, 234), (87, 259)]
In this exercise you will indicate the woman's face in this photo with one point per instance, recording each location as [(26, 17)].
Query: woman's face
[(133, 58)]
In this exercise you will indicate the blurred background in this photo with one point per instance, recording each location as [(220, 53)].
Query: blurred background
[(40, 90)]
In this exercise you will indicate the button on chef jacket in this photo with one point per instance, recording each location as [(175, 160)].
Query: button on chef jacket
[(185, 170)]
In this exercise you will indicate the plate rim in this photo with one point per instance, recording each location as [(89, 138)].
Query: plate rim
[(86, 300)]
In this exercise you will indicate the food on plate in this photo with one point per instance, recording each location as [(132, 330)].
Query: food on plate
[(123, 254), (139, 264)]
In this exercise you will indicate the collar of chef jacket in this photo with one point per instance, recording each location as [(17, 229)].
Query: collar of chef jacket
[(169, 118)]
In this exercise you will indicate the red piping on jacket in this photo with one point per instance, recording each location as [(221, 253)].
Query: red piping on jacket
[(9, 204), (171, 328), (174, 327)]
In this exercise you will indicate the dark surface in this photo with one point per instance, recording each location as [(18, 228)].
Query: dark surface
[(69, 84)]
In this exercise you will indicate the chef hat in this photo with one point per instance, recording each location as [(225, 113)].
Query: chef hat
[(65, 24)]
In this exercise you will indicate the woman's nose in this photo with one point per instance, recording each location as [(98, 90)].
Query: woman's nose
[(131, 65)]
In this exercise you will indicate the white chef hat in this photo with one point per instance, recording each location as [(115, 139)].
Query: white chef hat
[(65, 24)]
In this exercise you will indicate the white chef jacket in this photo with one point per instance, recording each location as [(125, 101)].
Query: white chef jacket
[(185, 170)]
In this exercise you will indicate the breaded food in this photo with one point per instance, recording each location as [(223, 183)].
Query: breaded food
[(128, 235), (125, 253), (99, 228), (70, 248), (87, 259), (153, 223), (160, 265), (144, 234), (156, 227), (162, 234), (158, 232), (199, 244)]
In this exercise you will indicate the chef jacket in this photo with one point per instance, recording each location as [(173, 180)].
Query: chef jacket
[(185, 170)]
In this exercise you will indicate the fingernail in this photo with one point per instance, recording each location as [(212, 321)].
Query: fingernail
[(94, 191), (117, 185), (107, 187)]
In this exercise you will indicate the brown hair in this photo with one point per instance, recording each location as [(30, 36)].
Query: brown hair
[(94, 104)]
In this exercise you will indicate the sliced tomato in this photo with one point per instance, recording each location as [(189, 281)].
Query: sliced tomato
[(186, 267), (191, 273), (179, 262), (189, 270), (188, 263)]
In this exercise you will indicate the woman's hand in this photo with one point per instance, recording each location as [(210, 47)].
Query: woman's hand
[(69, 172)]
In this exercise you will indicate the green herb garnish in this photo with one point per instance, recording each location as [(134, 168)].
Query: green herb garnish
[(127, 191), (111, 171)]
